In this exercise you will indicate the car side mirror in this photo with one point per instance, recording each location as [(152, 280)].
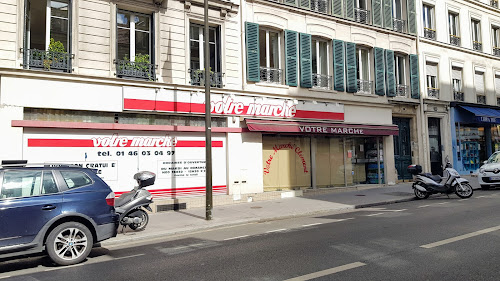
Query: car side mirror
[(485, 162)]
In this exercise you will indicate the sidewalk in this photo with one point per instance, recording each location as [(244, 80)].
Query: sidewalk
[(314, 202)]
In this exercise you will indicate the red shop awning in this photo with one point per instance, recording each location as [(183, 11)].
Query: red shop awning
[(258, 125)]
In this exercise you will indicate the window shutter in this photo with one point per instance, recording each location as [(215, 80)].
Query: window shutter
[(431, 69), (305, 61), (291, 57), (349, 9), (479, 83), (338, 65), (253, 55), (377, 12), (456, 73), (337, 8), (379, 71), (388, 14), (351, 67), (390, 74), (414, 79), (306, 4), (412, 17), (291, 2)]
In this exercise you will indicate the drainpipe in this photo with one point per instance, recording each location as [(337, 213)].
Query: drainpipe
[(421, 98)]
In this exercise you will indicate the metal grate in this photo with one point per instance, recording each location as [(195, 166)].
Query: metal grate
[(365, 87), (478, 46), (399, 25), (171, 207), (454, 40), (458, 96), (197, 77), (481, 99), (131, 69), (48, 60), (271, 75), (402, 90), (362, 15), (494, 3), (496, 51), (429, 33), (433, 93), (322, 81)]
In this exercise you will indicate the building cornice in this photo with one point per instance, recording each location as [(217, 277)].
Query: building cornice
[(459, 49)]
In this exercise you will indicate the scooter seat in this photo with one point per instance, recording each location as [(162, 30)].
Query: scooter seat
[(123, 199), (435, 178)]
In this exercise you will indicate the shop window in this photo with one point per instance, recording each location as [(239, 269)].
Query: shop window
[(453, 25), (270, 56), (476, 35), (432, 80), (47, 35), (363, 59), (428, 22), (456, 75), (134, 55), (479, 85), (197, 55), (471, 141), (321, 77)]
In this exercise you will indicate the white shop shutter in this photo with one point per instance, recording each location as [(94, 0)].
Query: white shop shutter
[(479, 82), (497, 85), (456, 73), (431, 69)]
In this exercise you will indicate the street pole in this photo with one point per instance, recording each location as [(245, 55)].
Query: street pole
[(208, 123)]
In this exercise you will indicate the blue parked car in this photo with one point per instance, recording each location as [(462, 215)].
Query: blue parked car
[(61, 209)]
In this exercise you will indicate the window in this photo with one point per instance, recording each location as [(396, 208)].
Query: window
[(197, 55), (495, 33), (453, 24), (270, 55), (47, 35), (400, 67), (479, 85), (428, 14), (363, 70), (476, 35), (21, 184), (399, 24), (456, 77), (75, 179), (361, 13), (432, 80), (134, 40), (320, 59)]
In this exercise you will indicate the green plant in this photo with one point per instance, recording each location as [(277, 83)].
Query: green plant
[(141, 63), (56, 52)]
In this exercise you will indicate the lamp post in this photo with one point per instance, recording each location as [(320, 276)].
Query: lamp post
[(208, 123)]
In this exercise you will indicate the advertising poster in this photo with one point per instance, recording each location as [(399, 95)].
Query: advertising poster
[(178, 159)]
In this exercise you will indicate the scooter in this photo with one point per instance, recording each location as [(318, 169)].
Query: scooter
[(130, 204), (426, 184)]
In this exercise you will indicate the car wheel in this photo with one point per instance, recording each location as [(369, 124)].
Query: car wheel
[(485, 187), (69, 243)]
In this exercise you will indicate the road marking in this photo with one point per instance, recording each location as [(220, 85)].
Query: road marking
[(132, 256), (442, 203), (402, 210), (306, 225), (423, 206), (277, 230), (371, 215), (3, 277), (345, 219), (237, 237), (327, 272), (463, 199), (482, 196), (461, 237)]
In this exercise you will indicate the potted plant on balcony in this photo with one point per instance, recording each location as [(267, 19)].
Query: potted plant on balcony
[(56, 53), (140, 67)]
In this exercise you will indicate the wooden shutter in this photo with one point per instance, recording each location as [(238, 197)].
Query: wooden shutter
[(338, 65), (390, 74), (379, 71), (253, 54), (412, 17), (337, 8), (291, 2), (414, 77), (388, 14), (349, 9), (351, 67), (291, 57), (305, 61), (377, 12), (306, 4)]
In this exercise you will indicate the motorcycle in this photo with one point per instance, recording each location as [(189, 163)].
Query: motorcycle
[(426, 184), (130, 205)]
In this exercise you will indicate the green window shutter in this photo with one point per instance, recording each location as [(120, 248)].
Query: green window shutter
[(337, 8), (306, 4), (349, 9), (291, 57), (379, 71), (412, 17), (253, 54), (414, 79), (305, 61), (291, 2), (390, 74), (388, 14), (351, 67), (338, 65), (377, 12)]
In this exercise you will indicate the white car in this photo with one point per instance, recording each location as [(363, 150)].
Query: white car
[(489, 173)]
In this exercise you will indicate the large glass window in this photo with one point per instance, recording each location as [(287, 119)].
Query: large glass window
[(363, 60), (432, 80), (320, 51), (197, 55), (453, 26), (269, 48), (428, 21), (400, 69), (133, 36), (476, 35)]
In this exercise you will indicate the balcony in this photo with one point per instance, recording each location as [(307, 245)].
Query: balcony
[(365, 87), (496, 51), (494, 3), (402, 90), (271, 75), (498, 101), (197, 77), (51, 61), (433, 93), (137, 70), (455, 40), (481, 99), (458, 96), (322, 81), (320, 6), (429, 33), (478, 46), (362, 15), (399, 25)]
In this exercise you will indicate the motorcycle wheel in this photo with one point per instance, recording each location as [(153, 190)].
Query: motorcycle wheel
[(141, 214), (420, 194), (466, 192)]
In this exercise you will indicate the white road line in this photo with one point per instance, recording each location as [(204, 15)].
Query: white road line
[(132, 256), (402, 210), (483, 196), (3, 277), (318, 223), (461, 237), (277, 230), (371, 215), (327, 272), (344, 219), (463, 199), (237, 237), (423, 206), (442, 203)]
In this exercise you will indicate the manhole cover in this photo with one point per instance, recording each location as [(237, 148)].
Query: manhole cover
[(256, 207)]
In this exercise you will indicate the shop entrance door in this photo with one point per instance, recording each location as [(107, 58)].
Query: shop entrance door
[(402, 147), (435, 146)]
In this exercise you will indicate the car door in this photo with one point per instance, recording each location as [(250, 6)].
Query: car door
[(29, 198)]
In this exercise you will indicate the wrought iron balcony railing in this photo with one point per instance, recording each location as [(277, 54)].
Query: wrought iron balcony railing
[(197, 77), (496, 51), (481, 99), (429, 33), (52, 61), (320, 6), (322, 81), (454, 40), (478, 46), (458, 96), (399, 25), (131, 69), (494, 3), (365, 87), (271, 75), (498, 100), (402, 90), (362, 15), (433, 93)]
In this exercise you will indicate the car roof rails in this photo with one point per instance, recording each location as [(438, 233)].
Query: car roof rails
[(24, 163)]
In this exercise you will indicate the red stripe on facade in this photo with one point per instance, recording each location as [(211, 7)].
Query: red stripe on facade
[(181, 192), (337, 116), (90, 143), (136, 104)]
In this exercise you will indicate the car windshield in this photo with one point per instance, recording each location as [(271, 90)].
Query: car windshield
[(494, 158)]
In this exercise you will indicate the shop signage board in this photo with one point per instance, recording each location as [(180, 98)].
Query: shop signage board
[(164, 100), (178, 159)]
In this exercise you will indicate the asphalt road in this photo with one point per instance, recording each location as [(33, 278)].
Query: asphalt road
[(436, 239)]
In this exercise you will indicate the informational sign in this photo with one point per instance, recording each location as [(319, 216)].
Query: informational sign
[(177, 159)]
